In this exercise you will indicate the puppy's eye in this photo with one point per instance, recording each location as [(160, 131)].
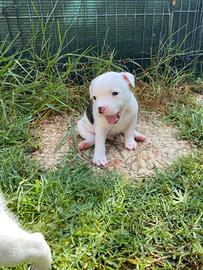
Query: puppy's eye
[(114, 93), (94, 98)]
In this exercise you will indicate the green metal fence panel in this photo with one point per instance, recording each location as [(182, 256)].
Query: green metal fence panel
[(133, 28)]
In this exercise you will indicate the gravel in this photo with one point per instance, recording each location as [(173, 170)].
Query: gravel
[(159, 150)]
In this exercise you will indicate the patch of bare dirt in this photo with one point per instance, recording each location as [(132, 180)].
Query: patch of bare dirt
[(160, 149), (50, 134), (199, 98)]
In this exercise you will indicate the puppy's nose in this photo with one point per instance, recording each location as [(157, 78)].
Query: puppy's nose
[(101, 109)]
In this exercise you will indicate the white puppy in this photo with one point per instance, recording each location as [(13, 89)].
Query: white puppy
[(19, 246), (113, 109)]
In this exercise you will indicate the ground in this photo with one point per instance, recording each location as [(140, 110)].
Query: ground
[(160, 149), (103, 221)]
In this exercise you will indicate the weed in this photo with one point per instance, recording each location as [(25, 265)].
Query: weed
[(94, 222), (189, 120), (169, 67), (107, 223)]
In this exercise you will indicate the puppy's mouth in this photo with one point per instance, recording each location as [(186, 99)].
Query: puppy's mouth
[(113, 119)]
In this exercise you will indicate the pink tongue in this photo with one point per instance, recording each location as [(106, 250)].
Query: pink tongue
[(112, 119)]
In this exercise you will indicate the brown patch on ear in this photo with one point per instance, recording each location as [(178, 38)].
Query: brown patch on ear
[(126, 78), (129, 78)]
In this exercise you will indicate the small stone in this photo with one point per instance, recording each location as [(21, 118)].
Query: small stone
[(142, 164), (150, 165)]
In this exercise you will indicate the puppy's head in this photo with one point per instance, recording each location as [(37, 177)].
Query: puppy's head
[(110, 93)]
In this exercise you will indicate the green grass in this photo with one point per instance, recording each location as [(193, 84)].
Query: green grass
[(189, 120), (165, 71), (94, 222), (107, 222)]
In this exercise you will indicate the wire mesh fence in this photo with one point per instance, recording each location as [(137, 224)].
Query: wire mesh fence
[(133, 28)]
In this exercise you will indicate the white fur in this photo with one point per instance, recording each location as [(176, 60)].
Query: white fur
[(19, 246), (125, 102)]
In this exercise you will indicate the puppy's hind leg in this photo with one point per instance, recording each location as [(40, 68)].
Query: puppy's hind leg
[(139, 137), (85, 134)]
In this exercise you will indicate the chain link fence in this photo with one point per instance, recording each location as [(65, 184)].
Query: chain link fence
[(133, 28)]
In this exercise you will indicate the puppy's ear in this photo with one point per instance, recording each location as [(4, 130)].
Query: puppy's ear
[(129, 78)]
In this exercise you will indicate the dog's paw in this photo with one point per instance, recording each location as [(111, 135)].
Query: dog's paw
[(84, 145), (100, 160), (130, 144), (140, 137)]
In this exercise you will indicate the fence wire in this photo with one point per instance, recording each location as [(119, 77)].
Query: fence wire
[(133, 28)]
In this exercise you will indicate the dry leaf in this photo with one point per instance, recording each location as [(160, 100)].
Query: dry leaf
[(173, 2)]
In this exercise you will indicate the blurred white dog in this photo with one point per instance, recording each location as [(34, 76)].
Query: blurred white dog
[(19, 246), (113, 109)]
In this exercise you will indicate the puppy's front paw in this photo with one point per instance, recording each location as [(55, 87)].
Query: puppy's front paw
[(130, 144), (99, 160)]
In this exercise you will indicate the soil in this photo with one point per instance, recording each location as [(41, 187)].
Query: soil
[(160, 149)]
